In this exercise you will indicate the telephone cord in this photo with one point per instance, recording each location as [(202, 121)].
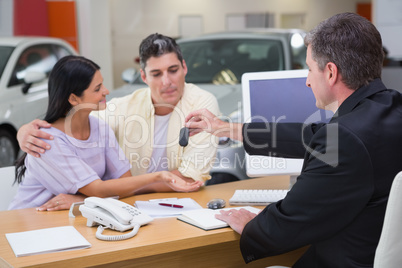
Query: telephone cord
[(100, 236)]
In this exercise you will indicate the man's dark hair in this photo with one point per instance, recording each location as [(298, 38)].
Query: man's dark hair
[(156, 45)]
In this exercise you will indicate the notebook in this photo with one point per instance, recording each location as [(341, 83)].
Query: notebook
[(205, 218), (47, 240)]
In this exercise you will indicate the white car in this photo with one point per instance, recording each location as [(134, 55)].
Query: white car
[(25, 64), (216, 63)]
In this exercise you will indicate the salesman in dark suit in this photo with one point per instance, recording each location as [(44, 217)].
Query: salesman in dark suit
[(338, 203)]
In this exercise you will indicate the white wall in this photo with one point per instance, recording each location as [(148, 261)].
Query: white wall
[(110, 31), (133, 20), (387, 16), (94, 35), (6, 17)]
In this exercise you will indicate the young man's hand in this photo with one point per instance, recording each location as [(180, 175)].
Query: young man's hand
[(29, 136)]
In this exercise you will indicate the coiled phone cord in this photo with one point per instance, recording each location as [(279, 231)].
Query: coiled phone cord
[(100, 236)]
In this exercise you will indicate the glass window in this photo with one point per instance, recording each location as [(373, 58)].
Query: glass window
[(61, 51), (38, 58), (5, 53), (224, 61), (298, 51)]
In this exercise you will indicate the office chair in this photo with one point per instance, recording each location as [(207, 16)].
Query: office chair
[(7, 187), (388, 253)]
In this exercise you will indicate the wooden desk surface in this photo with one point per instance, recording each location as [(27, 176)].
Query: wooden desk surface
[(165, 241)]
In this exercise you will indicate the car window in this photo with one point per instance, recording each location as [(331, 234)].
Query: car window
[(298, 51), (39, 58), (5, 53), (61, 51), (224, 61)]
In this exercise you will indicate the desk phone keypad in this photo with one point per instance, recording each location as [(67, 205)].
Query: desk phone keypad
[(132, 210), (138, 216)]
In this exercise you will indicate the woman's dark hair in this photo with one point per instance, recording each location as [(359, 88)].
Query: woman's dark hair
[(70, 75)]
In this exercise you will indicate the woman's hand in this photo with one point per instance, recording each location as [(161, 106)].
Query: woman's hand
[(178, 184), (61, 201)]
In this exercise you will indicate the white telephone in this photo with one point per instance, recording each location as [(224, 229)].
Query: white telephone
[(113, 214)]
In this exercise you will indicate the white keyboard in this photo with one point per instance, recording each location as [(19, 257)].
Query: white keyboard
[(256, 197)]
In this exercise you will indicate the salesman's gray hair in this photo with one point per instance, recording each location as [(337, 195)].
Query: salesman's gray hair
[(352, 43)]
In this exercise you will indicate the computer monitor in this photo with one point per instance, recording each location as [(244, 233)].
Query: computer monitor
[(278, 96)]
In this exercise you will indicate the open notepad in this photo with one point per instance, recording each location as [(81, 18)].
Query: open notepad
[(155, 210), (46, 241), (205, 218)]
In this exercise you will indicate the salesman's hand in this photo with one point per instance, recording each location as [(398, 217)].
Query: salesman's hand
[(28, 137), (236, 218), (203, 120)]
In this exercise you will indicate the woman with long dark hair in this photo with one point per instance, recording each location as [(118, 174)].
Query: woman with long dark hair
[(85, 158)]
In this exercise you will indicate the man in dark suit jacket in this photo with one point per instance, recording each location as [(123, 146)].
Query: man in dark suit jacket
[(338, 203)]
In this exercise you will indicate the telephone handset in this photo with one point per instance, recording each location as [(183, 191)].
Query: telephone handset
[(113, 214)]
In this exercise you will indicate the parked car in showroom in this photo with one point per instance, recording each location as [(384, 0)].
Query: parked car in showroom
[(216, 63), (25, 64)]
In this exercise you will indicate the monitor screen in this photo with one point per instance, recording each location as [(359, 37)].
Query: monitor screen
[(279, 96)]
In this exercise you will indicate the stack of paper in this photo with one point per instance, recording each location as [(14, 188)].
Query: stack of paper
[(159, 208), (46, 240)]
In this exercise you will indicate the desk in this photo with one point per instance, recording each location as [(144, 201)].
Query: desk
[(165, 242)]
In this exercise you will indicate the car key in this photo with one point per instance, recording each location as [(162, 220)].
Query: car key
[(183, 138)]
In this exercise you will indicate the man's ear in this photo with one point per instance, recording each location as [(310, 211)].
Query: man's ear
[(184, 67), (332, 73), (73, 99), (143, 76)]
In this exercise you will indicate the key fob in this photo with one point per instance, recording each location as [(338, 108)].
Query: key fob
[(184, 135)]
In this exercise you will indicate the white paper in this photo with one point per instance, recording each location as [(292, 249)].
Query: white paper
[(46, 240), (205, 218), (153, 209)]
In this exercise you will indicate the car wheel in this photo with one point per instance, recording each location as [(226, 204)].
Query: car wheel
[(217, 178), (8, 148)]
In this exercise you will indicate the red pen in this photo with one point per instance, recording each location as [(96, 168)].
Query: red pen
[(170, 205)]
